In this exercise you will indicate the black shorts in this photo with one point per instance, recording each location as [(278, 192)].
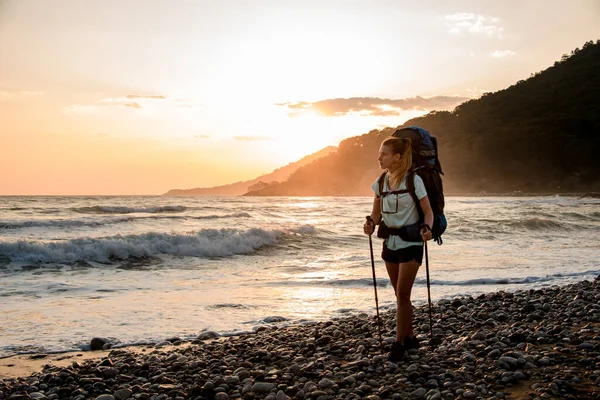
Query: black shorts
[(411, 253)]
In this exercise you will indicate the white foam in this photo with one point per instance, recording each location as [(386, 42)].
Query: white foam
[(127, 210), (508, 280), (66, 223), (206, 243)]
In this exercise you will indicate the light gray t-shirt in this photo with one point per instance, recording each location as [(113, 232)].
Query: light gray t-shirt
[(399, 210)]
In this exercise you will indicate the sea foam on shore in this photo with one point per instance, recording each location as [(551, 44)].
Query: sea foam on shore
[(537, 343)]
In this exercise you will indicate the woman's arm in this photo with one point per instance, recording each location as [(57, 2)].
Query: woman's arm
[(369, 227), (428, 216), (376, 213)]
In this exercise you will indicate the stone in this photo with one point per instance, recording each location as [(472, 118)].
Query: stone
[(122, 394), (326, 384), (208, 335), (262, 387), (544, 361), (97, 343), (418, 394), (110, 372), (281, 396), (586, 346), (511, 361)]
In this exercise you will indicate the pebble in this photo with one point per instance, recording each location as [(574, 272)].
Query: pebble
[(262, 387), (208, 335), (97, 343), (122, 394)]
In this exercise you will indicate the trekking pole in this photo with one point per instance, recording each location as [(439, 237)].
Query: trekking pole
[(369, 219), (429, 297)]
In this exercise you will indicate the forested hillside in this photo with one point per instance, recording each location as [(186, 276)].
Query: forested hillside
[(239, 188), (539, 135)]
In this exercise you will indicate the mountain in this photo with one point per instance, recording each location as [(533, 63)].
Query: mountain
[(239, 188), (539, 135)]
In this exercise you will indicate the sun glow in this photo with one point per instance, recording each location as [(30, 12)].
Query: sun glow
[(306, 134)]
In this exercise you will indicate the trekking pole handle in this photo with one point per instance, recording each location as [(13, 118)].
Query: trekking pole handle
[(369, 219)]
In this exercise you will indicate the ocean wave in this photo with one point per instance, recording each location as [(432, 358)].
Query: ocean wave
[(67, 223), (579, 216), (228, 305), (382, 282), (509, 226), (508, 280), (536, 224), (236, 215), (350, 282), (206, 243), (127, 210), (72, 223)]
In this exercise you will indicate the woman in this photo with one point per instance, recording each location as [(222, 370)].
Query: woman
[(402, 258)]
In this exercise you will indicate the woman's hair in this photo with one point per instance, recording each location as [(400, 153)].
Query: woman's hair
[(403, 147)]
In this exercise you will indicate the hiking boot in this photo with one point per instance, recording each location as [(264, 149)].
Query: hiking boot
[(411, 342), (397, 352)]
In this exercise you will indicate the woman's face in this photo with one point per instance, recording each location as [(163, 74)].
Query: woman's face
[(386, 157)]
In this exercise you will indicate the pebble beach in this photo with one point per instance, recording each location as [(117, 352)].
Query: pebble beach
[(529, 344)]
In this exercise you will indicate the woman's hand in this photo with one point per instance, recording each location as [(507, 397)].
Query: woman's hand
[(426, 233), (369, 227)]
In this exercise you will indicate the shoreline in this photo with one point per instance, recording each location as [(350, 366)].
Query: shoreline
[(536, 343), (23, 365), (515, 193)]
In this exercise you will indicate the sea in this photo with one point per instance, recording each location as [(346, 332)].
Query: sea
[(139, 270)]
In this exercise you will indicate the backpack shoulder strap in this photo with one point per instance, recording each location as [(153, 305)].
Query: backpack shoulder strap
[(410, 184), (381, 182), (382, 194)]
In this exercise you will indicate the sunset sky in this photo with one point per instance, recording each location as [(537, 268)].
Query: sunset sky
[(143, 96)]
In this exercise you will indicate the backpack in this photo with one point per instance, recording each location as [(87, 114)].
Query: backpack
[(427, 165)]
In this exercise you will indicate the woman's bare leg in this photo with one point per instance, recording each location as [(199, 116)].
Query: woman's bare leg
[(392, 270), (407, 273)]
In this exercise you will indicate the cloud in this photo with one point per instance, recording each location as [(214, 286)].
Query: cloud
[(252, 138), (476, 92), (83, 109), (139, 102), (474, 23), (137, 96), (126, 101), (101, 104), (374, 106), (502, 53), (202, 137), (6, 95)]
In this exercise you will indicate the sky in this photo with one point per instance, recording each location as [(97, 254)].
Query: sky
[(137, 97)]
